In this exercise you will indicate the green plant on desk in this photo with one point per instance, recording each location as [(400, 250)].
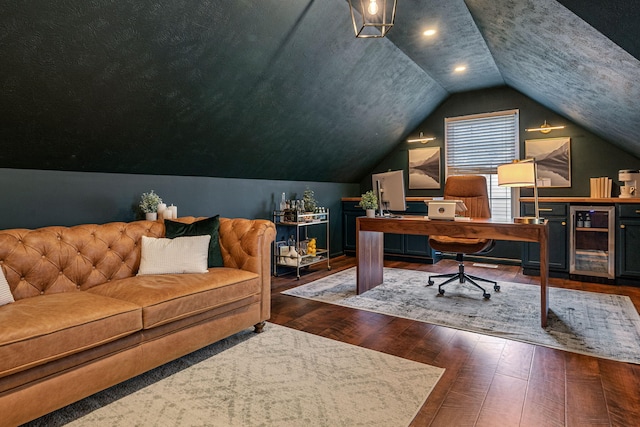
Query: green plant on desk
[(369, 200)]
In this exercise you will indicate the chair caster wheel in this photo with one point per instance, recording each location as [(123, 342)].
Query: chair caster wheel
[(496, 288), (486, 295), (430, 282), (441, 291)]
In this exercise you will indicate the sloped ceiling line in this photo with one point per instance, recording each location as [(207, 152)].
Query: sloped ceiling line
[(549, 54)]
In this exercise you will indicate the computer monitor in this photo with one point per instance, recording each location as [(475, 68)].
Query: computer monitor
[(389, 187)]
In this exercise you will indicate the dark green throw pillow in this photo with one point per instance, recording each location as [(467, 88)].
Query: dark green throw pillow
[(203, 227)]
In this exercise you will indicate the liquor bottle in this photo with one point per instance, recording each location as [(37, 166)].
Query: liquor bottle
[(283, 203)]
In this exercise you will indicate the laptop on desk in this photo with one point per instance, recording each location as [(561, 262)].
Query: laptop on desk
[(445, 209)]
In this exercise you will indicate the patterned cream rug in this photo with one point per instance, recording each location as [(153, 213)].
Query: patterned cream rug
[(281, 377), (595, 324)]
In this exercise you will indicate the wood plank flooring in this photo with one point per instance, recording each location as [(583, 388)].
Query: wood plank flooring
[(488, 381)]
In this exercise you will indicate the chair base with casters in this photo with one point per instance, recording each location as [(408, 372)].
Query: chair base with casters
[(472, 191), (463, 277)]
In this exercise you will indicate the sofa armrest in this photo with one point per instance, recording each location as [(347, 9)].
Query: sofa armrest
[(246, 244)]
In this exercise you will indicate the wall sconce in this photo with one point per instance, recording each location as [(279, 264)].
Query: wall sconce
[(544, 128), (422, 139), (522, 173), (376, 17)]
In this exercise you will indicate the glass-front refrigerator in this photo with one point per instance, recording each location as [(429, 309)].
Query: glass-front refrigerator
[(592, 241)]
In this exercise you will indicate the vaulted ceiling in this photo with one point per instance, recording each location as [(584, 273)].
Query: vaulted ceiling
[(281, 89)]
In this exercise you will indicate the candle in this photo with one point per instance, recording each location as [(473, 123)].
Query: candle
[(167, 214), (174, 211), (161, 208)]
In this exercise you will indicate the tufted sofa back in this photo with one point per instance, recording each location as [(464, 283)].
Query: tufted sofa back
[(243, 242), (64, 259)]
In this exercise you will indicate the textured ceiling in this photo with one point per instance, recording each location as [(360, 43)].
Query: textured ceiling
[(281, 89), (575, 71), (458, 42)]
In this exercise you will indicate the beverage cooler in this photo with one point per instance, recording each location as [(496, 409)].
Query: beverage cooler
[(592, 244)]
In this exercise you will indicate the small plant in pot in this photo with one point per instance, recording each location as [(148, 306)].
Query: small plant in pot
[(369, 202), (149, 205), (309, 200)]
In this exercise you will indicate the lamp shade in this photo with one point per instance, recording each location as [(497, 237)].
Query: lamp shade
[(522, 174)]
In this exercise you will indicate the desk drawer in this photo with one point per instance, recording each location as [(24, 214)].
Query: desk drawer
[(629, 211), (546, 209), (352, 206)]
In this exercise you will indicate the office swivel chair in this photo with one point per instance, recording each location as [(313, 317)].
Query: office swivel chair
[(472, 190)]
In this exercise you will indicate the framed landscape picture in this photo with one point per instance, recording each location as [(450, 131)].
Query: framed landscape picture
[(553, 157), (424, 168)]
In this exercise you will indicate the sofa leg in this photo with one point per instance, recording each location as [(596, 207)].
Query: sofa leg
[(259, 327)]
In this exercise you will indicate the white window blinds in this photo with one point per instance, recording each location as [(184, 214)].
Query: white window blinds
[(478, 144)]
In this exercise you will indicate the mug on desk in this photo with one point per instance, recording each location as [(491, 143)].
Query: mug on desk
[(627, 190)]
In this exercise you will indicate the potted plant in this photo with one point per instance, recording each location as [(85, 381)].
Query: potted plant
[(149, 205), (309, 201), (369, 202)]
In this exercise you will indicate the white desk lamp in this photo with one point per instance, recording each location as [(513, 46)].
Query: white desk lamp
[(522, 173)]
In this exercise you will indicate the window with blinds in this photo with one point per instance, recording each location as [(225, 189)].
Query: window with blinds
[(477, 145)]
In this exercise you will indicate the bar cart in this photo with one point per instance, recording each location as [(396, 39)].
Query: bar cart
[(307, 244)]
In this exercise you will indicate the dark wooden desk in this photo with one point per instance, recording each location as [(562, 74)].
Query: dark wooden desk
[(370, 233)]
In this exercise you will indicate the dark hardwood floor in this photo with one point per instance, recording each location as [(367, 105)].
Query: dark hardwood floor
[(488, 381)]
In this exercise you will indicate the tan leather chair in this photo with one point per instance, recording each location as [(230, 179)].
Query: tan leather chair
[(472, 190)]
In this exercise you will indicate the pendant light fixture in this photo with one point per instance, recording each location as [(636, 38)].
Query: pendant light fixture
[(372, 18)]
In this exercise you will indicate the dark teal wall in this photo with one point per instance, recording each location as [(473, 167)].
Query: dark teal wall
[(36, 198), (591, 156)]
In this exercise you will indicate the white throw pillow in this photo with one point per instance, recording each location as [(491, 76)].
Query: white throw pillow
[(174, 256), (5, 292)]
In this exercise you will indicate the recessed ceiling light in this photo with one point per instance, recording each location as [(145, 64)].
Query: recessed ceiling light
[(429, 32), (460, 69)]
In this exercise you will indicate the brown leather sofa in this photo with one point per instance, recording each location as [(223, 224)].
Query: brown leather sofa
[(82, 320)]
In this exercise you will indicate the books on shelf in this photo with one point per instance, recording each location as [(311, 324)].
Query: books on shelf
[(601, 187)]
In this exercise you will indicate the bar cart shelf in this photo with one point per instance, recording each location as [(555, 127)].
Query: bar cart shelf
[(306, 253), (591, 229)]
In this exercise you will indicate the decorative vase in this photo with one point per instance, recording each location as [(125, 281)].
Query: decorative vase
[(151, 216), (371, 213)]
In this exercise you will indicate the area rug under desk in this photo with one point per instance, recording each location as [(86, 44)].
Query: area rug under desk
[(281, 377), (595, 324)]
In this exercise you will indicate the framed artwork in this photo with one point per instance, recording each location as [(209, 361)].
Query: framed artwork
[(553, 156), (424, 168)]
